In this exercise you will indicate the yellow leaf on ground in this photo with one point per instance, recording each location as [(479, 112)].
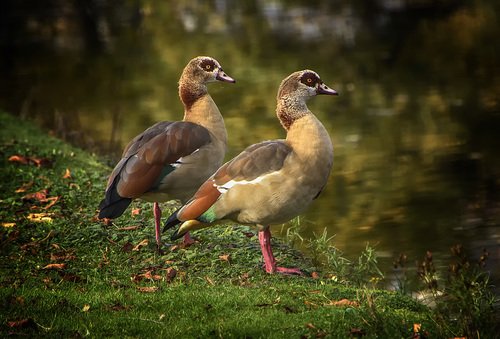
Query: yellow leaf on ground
[(86, 308), (8, 224), (40, 217)]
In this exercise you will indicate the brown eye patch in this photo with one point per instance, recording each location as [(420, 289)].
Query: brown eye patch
[(309, 79), (207, 65)]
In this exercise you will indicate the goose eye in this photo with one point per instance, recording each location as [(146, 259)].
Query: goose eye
[(207, 65), (309, 79)]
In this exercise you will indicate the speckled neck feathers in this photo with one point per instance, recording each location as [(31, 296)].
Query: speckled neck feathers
[(190, 90), (289, 109)]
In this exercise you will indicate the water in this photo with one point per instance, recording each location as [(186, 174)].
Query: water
[(415, 128)]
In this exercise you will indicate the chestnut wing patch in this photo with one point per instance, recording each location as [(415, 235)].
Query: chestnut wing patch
[(254, 162), (153, 154)]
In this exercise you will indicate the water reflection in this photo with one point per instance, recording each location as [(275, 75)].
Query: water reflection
[(415, 128)]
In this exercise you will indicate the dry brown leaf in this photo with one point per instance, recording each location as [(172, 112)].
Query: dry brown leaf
[(8, 224), (343, 302), (22, 323), (225, 257), (52, 201), (127, 247), (67, 174), (19, 159), (135, 211), (147, 289), (311, 326), (315, 275), (24, 187), (39, 162), (209, 280), (62, 256), (39, 196), (55, 266), (170, 275), (140, 245)]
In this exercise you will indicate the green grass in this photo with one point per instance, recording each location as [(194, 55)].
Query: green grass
[(110, 281)]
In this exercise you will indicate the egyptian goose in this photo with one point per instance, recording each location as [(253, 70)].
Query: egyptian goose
[(170, 160), (270, 182)]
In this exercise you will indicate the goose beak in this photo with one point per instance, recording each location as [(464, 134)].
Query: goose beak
[(324, 89), (221, 76), (187, 226)]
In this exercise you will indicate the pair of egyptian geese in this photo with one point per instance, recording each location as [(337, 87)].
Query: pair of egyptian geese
[(268, 183)]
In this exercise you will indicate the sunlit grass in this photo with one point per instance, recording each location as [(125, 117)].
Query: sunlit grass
[(68, 274)]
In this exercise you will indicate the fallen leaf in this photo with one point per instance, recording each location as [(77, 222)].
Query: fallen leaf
[(311, 326), (128, 228), (8, 224), (147, 289), (24, 323), (39, 196), (19, 158), (225, 257), (62, 256), (136, 278), (135, 211), (86, 308), (39, 162), (416, 328), (106, 221), (171, 273), (315, 275), (343, 302), (52, 201), (140, 245), (127, 247), (209, 280), (24, 187), (67, 174), (40, 217), (55, 266)]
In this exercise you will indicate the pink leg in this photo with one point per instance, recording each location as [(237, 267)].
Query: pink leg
[(157, 213), (267, 253)]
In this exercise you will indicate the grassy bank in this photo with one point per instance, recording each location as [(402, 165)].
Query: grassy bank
[(65, 273)]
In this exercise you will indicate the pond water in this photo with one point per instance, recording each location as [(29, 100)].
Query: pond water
[(415, 128)]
